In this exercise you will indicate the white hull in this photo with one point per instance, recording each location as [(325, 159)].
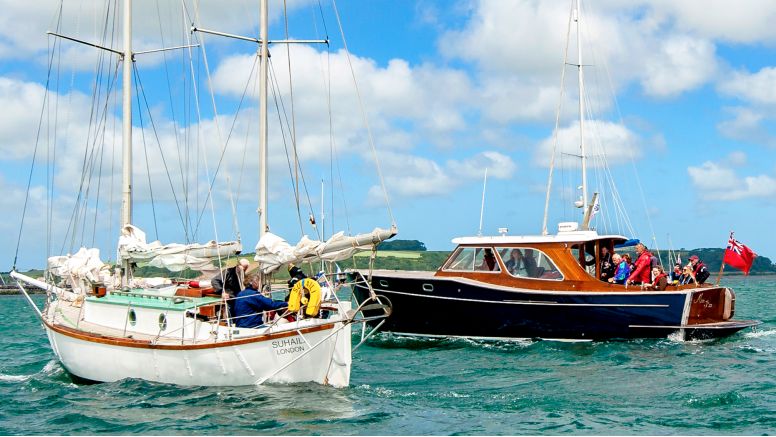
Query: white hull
[(231, 363)]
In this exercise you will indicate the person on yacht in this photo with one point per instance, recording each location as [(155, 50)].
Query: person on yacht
[(623, 269), (607, 266), (687, 276), (515, 262), (250, 305), (699, 269), (661, 279), (676, 275), (641, 272), (488, 261)]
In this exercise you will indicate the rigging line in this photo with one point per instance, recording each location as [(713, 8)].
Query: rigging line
[(209, 197), (51, 140), (336, 155), (88, 152), (630, 152), (223, 151), (169, 93), (145, 153), (34, 157), (326, 78), (111, 224), (292, 127), (99, 181), (364, 115), (557, 126), (280, 108), (247, 135), (141, 89), (278, 98)]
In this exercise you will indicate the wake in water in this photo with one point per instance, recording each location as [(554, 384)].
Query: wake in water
[(760, 334), (389, 340), (51, 369)]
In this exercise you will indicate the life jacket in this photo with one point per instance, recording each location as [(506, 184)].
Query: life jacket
[(305, 292)]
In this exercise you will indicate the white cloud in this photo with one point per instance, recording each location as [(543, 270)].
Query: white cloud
[(748, 125), (682, 63), (746, 21), (606, 143), (717, 182), (757, 88), (499, 166), (414, 176), (23, 26), (432, 99)]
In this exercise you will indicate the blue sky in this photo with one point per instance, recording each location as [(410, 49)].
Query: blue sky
[(681, 98)]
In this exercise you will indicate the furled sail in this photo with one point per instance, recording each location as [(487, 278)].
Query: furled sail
[(174, 257), (273, 251), (80, 270)]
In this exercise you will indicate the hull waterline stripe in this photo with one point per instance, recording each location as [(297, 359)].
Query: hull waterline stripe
[(517, 302)]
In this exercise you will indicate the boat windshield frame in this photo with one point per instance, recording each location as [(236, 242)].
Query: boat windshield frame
[(477, 250), (541, 253)]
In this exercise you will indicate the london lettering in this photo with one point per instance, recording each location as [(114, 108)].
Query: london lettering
[(288, 346)]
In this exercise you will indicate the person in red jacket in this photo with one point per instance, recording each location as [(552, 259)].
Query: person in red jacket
[(641, 272)]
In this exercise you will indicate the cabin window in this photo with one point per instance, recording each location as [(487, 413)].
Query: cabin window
[(585, 255), (473, 259), (162, 322), (132, 317), (529, 263)]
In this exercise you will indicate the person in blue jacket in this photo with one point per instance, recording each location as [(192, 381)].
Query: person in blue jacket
[(623, 269), (250, 306)]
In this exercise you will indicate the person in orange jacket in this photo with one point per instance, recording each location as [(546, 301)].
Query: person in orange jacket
[(641, 272)]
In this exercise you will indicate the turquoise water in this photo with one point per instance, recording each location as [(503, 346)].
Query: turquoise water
[(401, 386)]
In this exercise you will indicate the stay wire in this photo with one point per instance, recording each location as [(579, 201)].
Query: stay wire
[(364, 116), (145, 153), (141, 90), (34, 155)]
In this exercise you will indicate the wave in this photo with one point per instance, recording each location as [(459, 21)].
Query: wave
[(52, 368), (14, 378), (760, 334)]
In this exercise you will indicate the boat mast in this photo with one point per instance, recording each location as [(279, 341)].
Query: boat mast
[(263, 155), (581, 108), (126, 198)]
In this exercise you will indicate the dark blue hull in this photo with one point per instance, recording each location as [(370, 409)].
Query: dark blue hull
[(438, 306)]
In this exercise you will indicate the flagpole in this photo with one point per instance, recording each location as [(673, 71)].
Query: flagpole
[(722, 264)]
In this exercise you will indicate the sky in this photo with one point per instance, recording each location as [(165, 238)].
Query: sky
[(680, 102)]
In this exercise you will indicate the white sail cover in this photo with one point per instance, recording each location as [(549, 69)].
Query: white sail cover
[(81, 270), (174, 257), (273, 251)]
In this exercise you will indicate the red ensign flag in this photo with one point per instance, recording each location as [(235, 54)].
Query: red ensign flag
[(738, 255)]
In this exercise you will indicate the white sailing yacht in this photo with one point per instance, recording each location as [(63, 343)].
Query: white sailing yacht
[(105, 323)]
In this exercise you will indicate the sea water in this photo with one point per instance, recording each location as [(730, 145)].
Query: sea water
[(411, 386)]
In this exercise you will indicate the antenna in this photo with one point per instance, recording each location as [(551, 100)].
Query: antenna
[(482, 208)]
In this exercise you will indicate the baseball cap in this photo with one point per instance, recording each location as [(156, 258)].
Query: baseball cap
[(694, 258)]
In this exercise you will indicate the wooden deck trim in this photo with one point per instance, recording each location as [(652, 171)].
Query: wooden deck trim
[(144, 344)]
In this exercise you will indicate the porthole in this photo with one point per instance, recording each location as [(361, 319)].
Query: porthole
[(162, 322), (132, 317)]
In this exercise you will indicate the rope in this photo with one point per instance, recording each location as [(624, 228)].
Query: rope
[(364, 115), (557, 126)]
